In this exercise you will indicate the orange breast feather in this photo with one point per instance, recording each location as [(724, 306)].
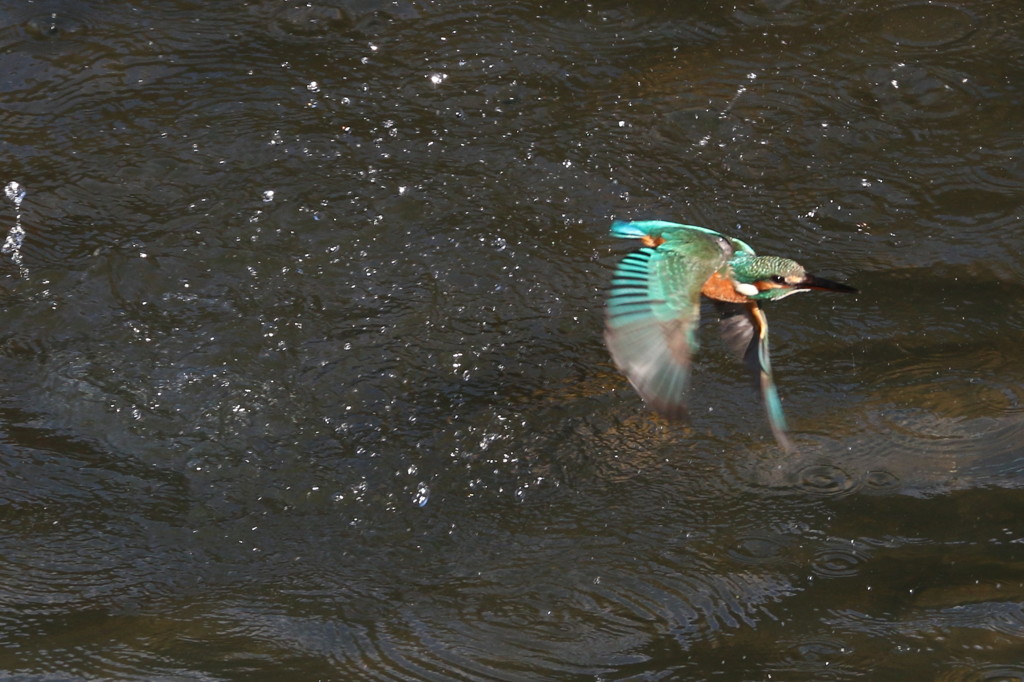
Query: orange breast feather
[(720, 288)]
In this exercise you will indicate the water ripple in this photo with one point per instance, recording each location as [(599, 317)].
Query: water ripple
[(761, 548), (978, 671), (921, 24), (952, 385), (826, 480), (812, 655), (920, 430), (959, 621), (839, 560), (913, 93), (881, 480)]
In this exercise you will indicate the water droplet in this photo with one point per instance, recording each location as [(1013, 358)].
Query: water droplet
[(15, 193), (12, 245), (16, 235), (422, 495)]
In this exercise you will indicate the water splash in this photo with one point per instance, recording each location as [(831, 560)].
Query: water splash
[(15, 193), (422, 495), (730, 105), (740, 91)]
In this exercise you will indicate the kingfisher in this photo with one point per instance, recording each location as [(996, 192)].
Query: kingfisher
[(653, 309)]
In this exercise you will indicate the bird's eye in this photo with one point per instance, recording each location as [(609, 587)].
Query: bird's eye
[(778, 279)]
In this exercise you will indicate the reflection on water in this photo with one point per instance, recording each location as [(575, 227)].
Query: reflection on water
[(307, 379)]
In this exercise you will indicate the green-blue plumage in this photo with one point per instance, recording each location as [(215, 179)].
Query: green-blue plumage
[(653, 308)]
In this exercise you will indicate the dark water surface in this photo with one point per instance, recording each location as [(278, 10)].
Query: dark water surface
[(301, 371)]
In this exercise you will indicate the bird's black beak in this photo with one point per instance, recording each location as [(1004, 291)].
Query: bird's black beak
[(812, 282)]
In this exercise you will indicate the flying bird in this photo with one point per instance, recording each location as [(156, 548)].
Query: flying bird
[(653, 309)]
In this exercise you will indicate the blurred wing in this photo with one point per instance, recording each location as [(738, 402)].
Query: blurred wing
[(737, 327), (653, 312), (757, 356)]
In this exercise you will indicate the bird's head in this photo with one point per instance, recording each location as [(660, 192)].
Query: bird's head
[(769, 278)]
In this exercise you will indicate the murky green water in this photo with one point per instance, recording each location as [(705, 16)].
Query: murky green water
[(301, 370)]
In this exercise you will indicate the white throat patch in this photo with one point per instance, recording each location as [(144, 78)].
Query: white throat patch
[(745, 289)]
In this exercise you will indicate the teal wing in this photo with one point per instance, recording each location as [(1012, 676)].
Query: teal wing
[(638, 229), (654, 228), (653, 309), (758, 356)]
